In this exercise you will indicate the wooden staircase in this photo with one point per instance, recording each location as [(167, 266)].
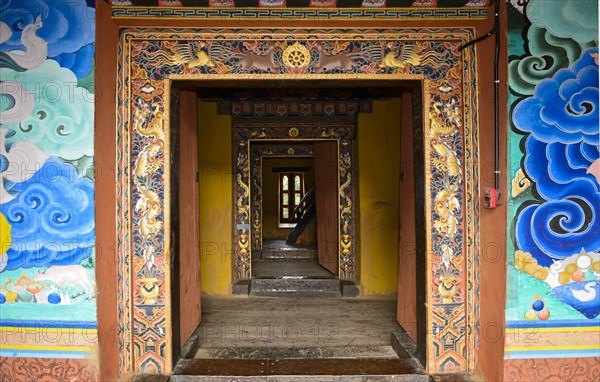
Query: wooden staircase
[(305, 212)]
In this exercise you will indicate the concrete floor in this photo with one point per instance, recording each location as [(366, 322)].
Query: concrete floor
[(278, 339), (299, 328)]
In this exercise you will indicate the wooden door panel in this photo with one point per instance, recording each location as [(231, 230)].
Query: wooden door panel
[(407, 284), (189, 214), (326, 193)]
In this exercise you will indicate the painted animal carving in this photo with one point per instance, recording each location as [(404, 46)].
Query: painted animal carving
[(67, 275), (241, 203), (149, 207), (327, 62), (447, 161), (149, 123), (265, 62), (408, 56), (188, 56), (202, 59), (446, 203)]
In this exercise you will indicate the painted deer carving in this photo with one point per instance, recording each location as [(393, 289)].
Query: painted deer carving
[(327, 62), (264, 61)]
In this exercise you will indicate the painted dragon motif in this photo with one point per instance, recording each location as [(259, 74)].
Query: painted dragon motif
[(148, 121), (446, 205), (241, 205), (150, 124), (444, 123), (148, 205)]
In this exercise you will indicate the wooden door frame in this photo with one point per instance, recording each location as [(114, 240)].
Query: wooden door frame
[(244, 136), (452, 326), (257, 153)]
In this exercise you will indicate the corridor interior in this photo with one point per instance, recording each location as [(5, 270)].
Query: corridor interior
[(296, 315)]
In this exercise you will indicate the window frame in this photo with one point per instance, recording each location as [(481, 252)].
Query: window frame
[(291, 191)]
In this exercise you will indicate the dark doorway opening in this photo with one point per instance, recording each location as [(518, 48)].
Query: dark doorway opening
[(410, 304)]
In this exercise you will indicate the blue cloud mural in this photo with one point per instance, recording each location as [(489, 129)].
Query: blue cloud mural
[(564, 108), (562, 119), (80, 62), (576, 19), (52, 218), (46, 147), (67, 25), (61, 122)]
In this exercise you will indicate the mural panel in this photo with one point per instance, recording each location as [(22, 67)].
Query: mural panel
[(47, 232), (553, 296)]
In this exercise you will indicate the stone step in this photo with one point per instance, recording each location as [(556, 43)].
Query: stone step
[(278, 268), (372, 352), (288, 370), (279, 249), (296, 286), (289, 253)]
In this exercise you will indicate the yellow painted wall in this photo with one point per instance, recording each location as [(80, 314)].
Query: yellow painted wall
[(215, 190), (270, 193), (378, 143), (378, 146)]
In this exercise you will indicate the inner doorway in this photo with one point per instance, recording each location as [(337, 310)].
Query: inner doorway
[(233, 180), (295, 209)]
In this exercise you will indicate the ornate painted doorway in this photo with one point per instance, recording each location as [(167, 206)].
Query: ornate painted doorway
[(152, 59)]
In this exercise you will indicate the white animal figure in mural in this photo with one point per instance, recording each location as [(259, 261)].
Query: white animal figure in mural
[(588, 294), (68, 275), (327, 62), (264, 61), (36, 48)]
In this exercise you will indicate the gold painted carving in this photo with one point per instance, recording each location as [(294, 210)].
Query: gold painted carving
[(293, 132), (446, 206), (188, 55), (296, 56), (149, 290), (241, 205), (447, 288), (244, 243)]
